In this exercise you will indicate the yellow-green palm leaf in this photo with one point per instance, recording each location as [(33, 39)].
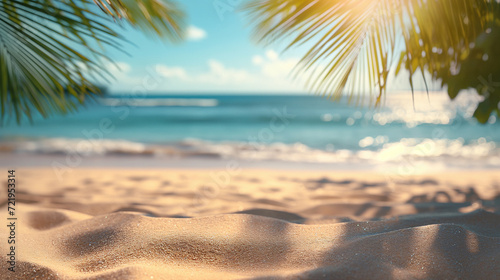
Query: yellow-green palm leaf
[(352, 44)]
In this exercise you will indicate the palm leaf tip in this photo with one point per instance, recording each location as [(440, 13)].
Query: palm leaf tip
[(162, 18)]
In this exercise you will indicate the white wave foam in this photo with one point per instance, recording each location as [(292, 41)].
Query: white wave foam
[(80, 146), (406, 150), (160, 102), (435, 108)]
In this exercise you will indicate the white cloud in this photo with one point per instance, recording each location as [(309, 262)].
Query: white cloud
[(217, 74), (272, 55), (118, 67), (278, 69), (257, 60), (269, 74), (121, 72), (195, 33), (172, 72), (220, 74)]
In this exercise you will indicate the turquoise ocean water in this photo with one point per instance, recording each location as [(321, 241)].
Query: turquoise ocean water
[(282, 128)]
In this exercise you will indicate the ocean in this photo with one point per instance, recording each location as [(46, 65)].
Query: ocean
[(436, 133)]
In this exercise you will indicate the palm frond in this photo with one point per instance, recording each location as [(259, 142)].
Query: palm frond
[(352, 44), (162, 17), (51, 50)]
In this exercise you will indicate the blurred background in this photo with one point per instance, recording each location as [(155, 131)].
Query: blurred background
[(218, 95)]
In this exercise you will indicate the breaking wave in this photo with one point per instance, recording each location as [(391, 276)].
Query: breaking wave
[(160, 102), (372, 150)]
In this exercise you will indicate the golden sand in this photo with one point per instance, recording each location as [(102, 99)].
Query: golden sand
[(256, 224)]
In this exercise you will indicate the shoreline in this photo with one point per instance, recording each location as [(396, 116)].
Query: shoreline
[(22, 160)]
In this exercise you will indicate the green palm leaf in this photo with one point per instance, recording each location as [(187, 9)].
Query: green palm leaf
[(160, 17), (350, 41), (51, 49), (353, 44)]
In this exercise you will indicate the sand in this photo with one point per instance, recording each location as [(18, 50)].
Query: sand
[(253, 224)]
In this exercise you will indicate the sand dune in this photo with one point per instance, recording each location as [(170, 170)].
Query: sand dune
[(173, 224)]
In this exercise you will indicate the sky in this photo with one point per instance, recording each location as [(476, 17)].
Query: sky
[(220, 55)]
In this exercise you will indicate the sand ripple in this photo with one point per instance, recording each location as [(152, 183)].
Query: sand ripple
[(337, 233)]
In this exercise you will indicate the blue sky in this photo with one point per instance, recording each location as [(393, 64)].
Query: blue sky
[(219, 56)]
